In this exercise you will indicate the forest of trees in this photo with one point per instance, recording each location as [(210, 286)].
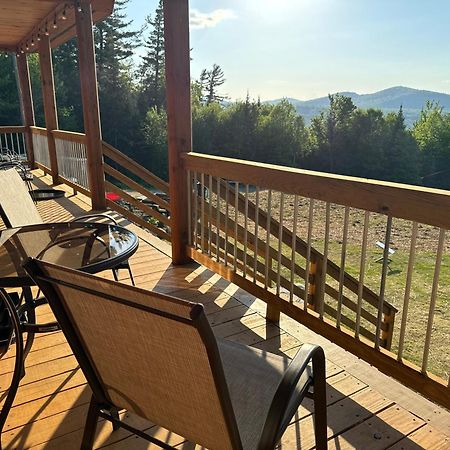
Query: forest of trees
[(342, 139)]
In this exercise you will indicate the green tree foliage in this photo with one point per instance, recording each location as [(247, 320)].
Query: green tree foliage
[(67, 86), (432, 134), (115, 43), (9, 100), (154, 154), (365, 143), (35, 79), (152, 69), (210, 81)]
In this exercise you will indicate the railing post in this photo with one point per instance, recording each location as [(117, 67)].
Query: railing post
[(26, 100), (48, 94), (177, 54), (315, 284), (91, 110)]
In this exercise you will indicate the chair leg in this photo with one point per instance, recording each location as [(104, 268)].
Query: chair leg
[(131, 274), (115, 415), (115, 274), (320, 403), (90, 426)]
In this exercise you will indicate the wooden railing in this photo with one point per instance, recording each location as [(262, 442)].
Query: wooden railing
[(154, 214), (40, 148), (12, 143), (151, 211), (309, 245), (72, 158)]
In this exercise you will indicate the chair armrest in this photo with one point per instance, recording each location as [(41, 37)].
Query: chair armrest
[(287, 397), (87, 217)]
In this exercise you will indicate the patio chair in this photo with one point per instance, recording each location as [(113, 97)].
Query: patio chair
[(18, 209), (156, 356)]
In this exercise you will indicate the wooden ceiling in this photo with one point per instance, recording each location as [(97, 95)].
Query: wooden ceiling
[(22, 20)]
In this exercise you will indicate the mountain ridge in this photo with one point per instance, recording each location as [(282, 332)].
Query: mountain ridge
[(390, 99)]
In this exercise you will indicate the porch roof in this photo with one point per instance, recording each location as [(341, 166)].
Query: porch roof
[(21, 21)]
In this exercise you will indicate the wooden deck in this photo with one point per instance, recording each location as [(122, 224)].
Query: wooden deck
[(366, 410)]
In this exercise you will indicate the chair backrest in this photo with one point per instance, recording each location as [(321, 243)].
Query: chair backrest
[(16, 205), (149, 353)]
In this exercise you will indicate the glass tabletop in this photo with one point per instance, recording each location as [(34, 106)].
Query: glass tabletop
[(87, 246)]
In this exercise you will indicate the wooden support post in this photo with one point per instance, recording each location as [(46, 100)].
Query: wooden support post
[(48, 95), (91, 110), (177, 53), (26, 100)]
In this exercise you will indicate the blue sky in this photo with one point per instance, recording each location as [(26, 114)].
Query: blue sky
[(309, 48)]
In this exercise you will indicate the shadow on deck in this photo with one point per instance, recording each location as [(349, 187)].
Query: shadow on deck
[(366, 410)]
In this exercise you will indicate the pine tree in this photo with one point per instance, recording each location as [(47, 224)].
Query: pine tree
[(153, 64), (115, 42), (210, 81)]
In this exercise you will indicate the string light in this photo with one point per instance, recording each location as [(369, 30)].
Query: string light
[(32, 41), (38, 38), (55, 25), (63, 15), (27, 47), (46, 30)]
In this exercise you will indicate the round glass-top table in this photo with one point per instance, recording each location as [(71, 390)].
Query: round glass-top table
[(87, 246)]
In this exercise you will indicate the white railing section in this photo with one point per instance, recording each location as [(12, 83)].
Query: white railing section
[(72, 161), (40, 147), (12, 144)]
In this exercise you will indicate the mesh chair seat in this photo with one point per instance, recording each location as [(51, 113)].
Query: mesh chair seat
[(246, 372)]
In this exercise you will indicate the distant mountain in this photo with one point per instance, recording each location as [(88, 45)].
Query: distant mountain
[(412, 101)]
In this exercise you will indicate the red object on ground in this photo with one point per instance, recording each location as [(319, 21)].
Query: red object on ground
[(112, 196)]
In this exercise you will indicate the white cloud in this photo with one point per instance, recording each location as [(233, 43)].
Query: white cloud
[(208, 20)]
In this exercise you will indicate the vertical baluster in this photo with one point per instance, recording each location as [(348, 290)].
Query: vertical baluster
[(245, 231), (293, 247), (84, 163), (308, 251), (280, 243), (227, 193), (384, 270), (267, 261), (24, 147), (236, 217), (255, 262), (321, 297), (218, 202), (189, 206), (202, 211), (342, 268), (79, 163), (195, 210), (412, 253), (362, 271), (210, 195), (17, 145), (10, 144), (434, 292)]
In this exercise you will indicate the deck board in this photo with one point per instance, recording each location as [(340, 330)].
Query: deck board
[(51, 404)]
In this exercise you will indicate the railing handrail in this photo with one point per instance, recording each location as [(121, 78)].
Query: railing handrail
[(133, 166), (425, 205), (39, 130), (12, 129), (70, 136)]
